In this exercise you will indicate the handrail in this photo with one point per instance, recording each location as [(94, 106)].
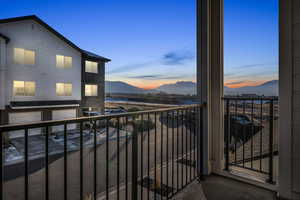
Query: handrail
[(250, 98), (128, 140), (14, 127)]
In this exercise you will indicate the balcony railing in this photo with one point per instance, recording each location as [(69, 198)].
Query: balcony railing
[(251, 136), (139, 155)]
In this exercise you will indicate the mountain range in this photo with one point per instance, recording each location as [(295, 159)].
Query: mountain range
[(269, 88)]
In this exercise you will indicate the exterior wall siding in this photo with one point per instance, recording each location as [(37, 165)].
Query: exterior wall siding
[(31, 35), (98, 79), (296, 99), (2, 73)]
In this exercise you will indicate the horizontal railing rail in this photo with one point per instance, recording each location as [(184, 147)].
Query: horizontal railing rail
[(5, 128), (250, 98), (250, 134), (138, 155)]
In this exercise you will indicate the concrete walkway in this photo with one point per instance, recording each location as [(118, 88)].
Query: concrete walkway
[(221, 188)]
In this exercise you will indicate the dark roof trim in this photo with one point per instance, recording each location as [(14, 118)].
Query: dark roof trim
[(41, 22), (90, 55), (5, 38)]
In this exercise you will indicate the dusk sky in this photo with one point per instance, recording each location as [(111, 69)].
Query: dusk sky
[(154, 42)]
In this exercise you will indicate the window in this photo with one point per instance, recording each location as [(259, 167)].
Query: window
[(91, 90), (63, 61), (24, 88), (91, 67), (64, 89), (24, 57)]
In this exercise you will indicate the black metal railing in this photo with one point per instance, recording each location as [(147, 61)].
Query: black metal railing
[(251, 135), (140, 155)]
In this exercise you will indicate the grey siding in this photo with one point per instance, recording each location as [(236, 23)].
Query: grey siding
[(97, 79)]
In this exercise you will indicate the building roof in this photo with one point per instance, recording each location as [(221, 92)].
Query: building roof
[(94, 56), (49, 28), (4, 37)]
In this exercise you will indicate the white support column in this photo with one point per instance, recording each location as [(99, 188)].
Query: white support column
[(203, 72), (216, 86), (289, 95), (210, 79)]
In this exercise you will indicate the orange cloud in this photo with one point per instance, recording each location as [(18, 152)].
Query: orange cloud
[(238, 84), (149, 84)]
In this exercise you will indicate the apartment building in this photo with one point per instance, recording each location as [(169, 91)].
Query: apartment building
[(45, 76)]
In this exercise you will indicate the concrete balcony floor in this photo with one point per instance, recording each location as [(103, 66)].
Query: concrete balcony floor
[(220, 188)]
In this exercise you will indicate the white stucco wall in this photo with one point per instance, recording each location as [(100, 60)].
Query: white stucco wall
[(32, 36)]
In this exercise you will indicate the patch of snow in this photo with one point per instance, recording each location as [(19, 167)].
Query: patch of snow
[(12, 154)]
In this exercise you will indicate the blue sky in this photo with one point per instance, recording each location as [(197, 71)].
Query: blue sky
[(153, 42)]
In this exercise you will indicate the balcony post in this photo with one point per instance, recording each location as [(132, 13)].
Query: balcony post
[(288, 14), (202, 77), (210, 80)]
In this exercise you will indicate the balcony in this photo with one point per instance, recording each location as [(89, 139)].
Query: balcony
[(137, 155), (155, 154)]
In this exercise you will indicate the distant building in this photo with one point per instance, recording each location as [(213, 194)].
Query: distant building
[(249, 95), (43, 75)]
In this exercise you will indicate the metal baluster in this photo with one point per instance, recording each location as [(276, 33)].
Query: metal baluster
[(155, 149), (227, 139), (95, 159), (172, 151), (235, 134), (182, 148), (244, 112), (161, 152), (190, 131), (47, 164), (252, 130), (134, 162), (65, 163), (107, 159), (148, 173), (142, 154), (26, 183), (177, 147), (201, 145), (126, 159), (194, 141), (186, 146), (261, 125), (167, 173), (197, 139), (81, 160), (118, 158), (271, 142)]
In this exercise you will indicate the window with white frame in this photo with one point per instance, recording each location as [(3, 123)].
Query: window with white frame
[(24, 88), (24, 56), (63, 61), (64, 89), (91, 90), (91, 67)]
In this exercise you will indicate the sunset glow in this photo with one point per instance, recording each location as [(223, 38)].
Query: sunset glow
[(243, 84), (157, 45), (148, 85)]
